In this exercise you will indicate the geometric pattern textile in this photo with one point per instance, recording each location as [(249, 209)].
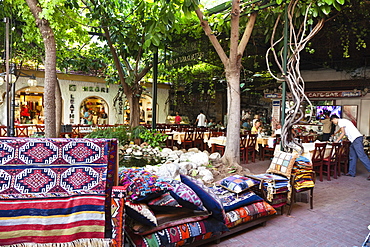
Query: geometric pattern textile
[(17, 181), (248, 213), (118, 215), (237, 183), (179, 235), (282, 163), (58, 191), (43, 151), (53, 220)]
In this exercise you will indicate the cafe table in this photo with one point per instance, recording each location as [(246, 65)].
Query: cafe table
[(179, 136), (308, 149)]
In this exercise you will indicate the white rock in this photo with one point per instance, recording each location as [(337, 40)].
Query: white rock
[(129, 150), (199, 159), (170, 170), (183, 171), (215, 156), (208, 179), (185, 165), (195, 150)]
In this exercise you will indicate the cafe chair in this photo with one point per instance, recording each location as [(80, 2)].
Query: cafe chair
[(169, 140), (243, 147), (40, 129), (199, 139), (294, 180), (21, 131), (343, 158), (267, 151), (218, 148), (75, 130), (188, 139), (318, 158), (330, 163), (3, 130), (251, 148)]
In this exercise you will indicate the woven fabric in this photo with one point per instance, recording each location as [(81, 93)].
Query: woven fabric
[(142, 185), (60, 187), (52, 220), (180, 235), (20, 181), (248, 213), (231, 201), (185, 195), (282, 163), (44, 152), (118, 215), (237, 183), (210, 200)]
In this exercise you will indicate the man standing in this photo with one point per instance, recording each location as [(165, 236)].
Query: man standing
[(356, 150), (201, 119), (326, 127)]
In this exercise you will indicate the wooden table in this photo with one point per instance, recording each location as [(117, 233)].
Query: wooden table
[(308, 150)]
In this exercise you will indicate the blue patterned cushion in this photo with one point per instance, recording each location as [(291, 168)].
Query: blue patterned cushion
[(237, 183), (231, 201), (210, 201)]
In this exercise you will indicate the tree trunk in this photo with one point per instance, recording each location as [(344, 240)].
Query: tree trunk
[(232, 151), (59, 107), (50, 68), (134, 110)]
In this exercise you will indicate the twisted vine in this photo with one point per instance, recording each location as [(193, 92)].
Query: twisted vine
[(298, 39)]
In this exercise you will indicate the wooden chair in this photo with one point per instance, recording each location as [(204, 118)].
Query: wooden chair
[(40, 128), (331, 162), (243, 147), (199, 139), (318, 157), (188, 139), (344, 158), (251, 147), (268, 152), (3, 130), (169, 141), (295, 192), (21, 131), (218, 148), (75, 130)]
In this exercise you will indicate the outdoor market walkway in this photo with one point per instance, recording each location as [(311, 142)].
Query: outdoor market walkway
[(340, 216)]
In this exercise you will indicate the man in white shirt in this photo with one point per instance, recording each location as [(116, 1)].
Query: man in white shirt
[(201, 119), (356, 150)]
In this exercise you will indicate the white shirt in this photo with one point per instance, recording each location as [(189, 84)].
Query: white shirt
[(201, 120), (351, 131)]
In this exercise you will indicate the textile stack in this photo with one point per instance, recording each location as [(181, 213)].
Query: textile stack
[(303, 174)]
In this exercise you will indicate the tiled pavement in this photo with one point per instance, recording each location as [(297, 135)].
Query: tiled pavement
[(340, 216)]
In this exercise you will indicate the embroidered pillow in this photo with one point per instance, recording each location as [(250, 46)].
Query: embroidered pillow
[(237, 183), (231, 201), (185, 196), (141, 213), (210, 201), (142, 185), (163, 202), (282, 163)]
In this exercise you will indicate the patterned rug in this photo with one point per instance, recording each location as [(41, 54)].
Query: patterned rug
[(55, 192)]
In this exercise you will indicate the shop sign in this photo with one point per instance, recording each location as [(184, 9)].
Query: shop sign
[(324, 94)]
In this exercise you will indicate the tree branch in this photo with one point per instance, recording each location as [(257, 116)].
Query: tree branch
[(220, 51), (247, 33)]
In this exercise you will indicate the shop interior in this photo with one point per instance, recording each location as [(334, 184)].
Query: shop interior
[(145, 110), (29, 104), (96, 106)]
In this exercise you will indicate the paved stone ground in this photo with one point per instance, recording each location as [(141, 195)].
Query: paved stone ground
[(340, 216)]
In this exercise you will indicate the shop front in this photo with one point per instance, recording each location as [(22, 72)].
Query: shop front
[(351, 105)]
